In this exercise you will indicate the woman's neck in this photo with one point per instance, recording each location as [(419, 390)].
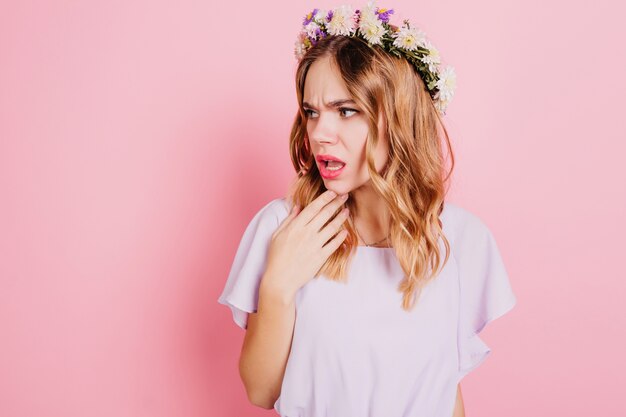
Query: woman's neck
[(371, 218)]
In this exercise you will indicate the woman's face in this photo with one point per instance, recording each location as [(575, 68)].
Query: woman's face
[(336, 127)]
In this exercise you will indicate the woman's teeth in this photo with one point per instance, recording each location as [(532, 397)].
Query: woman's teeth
[(334, 165)]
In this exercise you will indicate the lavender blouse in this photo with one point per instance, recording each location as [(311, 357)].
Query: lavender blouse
[(355, 352)]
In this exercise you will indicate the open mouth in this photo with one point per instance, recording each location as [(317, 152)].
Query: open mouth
[(329, 165), (334, 165), (331, 169)]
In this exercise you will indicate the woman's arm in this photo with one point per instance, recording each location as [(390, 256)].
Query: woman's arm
[(266, 347), (459, 408)]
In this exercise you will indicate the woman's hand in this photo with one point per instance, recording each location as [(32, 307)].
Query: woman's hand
[(300, 245)]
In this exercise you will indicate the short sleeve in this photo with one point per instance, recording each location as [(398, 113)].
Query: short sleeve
[(485, 292), (241, 291)]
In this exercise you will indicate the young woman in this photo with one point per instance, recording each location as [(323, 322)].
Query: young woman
[(362, 291)]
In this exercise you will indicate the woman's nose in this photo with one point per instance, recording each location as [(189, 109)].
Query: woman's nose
[(324, 129)]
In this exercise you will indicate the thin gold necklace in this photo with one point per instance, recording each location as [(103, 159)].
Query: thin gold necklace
[(371, 244)]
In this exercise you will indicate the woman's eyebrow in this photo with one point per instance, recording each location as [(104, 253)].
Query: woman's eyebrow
[(334, 103)]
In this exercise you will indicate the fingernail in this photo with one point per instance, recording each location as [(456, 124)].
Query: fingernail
[(332, 194)]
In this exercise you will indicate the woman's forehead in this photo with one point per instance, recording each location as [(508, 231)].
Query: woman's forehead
[(323, 83)]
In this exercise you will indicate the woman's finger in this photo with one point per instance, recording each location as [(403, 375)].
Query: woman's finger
[(295, 209)]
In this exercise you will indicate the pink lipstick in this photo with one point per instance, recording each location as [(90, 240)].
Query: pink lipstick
[(329, 170)]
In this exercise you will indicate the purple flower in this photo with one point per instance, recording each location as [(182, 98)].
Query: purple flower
[(383, 14), (329, 16), (309, 17)]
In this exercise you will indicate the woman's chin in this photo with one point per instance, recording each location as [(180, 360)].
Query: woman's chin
[(337, 188)]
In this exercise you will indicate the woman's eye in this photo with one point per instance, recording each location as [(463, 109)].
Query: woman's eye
[(344, 109)]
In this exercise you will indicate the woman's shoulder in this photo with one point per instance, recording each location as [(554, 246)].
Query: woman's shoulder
[(275, 210), (279, 206), (461, 224)]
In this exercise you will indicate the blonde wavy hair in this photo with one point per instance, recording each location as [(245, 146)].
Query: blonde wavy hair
[(412, 184)]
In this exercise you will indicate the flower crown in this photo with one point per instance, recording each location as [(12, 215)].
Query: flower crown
[(372, 24)]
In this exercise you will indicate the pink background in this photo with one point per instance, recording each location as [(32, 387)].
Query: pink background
[(137, 139)]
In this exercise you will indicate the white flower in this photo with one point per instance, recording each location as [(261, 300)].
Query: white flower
[(409, 39), (446, 84), (433, 58), (370, 26), (298, 50), (369, 11), (311, 29), (301, 45), (320, 16), (441, 105), (372, 30), (343, 21)]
